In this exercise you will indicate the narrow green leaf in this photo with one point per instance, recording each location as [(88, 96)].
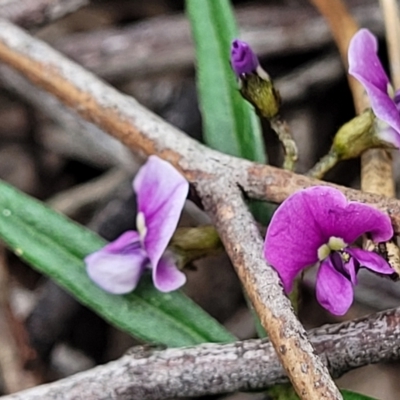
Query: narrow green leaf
[(230, 123), (55, 246)]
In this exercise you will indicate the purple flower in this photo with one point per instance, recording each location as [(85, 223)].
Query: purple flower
[(317, 225), (366, 67), (243, 59), (117, 267)]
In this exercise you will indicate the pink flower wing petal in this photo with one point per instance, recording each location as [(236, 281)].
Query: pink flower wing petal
[(389, 135), (166, 276), (365, 66), (334, 290), (364, 63), (116, 273), (372, 261), (123, 243), (357, 218), (161, 194)]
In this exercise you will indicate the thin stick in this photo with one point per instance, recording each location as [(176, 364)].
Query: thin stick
[(390, 9), (147, 374)]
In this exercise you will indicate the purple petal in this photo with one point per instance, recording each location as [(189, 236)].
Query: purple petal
[(389, 135), (364, 63), (334, 290), (348, 269), (356, 219), (294, 234), (334, 216), (166, 276), (116, 273), (371, 260), (124, 243), (161, 194), (366, 67), (243, 59)]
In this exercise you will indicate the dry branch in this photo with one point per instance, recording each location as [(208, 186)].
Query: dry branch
[(146, 374)]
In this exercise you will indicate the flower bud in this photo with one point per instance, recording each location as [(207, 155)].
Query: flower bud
[(255, 84)]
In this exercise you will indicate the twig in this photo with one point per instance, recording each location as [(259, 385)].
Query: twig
[(390, 9), (142, 131), (34, 13), (148, 374)]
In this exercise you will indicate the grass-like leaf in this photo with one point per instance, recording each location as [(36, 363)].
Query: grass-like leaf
[(230, 123), (55, 246)]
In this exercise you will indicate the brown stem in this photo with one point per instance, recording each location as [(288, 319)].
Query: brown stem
[(147, 374)]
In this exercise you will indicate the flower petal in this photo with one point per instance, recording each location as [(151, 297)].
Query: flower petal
[(388, 134), (345, 220), (166, 276), (371, 260), (294, 234), (364, 63), (116, 273), (124, 243), (334, 290), (357, 218), (161, 194), (366, 67), (243, 59)]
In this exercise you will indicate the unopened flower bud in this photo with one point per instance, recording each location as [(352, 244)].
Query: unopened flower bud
[(255, 84)]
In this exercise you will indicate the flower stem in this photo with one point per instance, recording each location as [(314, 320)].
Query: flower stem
[(327, 162), (285, 136)]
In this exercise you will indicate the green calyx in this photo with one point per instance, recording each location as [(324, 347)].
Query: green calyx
[(357, 136), (260, 92)]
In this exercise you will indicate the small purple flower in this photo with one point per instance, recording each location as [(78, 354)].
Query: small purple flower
[(317, 225), (366, 67), (117, 267), (243, 59)]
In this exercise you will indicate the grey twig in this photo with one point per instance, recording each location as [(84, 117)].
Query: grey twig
[(146, 374), (34, 13)]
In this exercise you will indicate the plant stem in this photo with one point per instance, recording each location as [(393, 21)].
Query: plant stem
[(285, 136)]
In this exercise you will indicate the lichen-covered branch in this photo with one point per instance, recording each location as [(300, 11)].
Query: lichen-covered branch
[(146, 374)]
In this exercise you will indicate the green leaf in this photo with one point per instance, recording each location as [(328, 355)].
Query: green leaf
[(348, 395), (230, 123), (56, 246), (285, 391)]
